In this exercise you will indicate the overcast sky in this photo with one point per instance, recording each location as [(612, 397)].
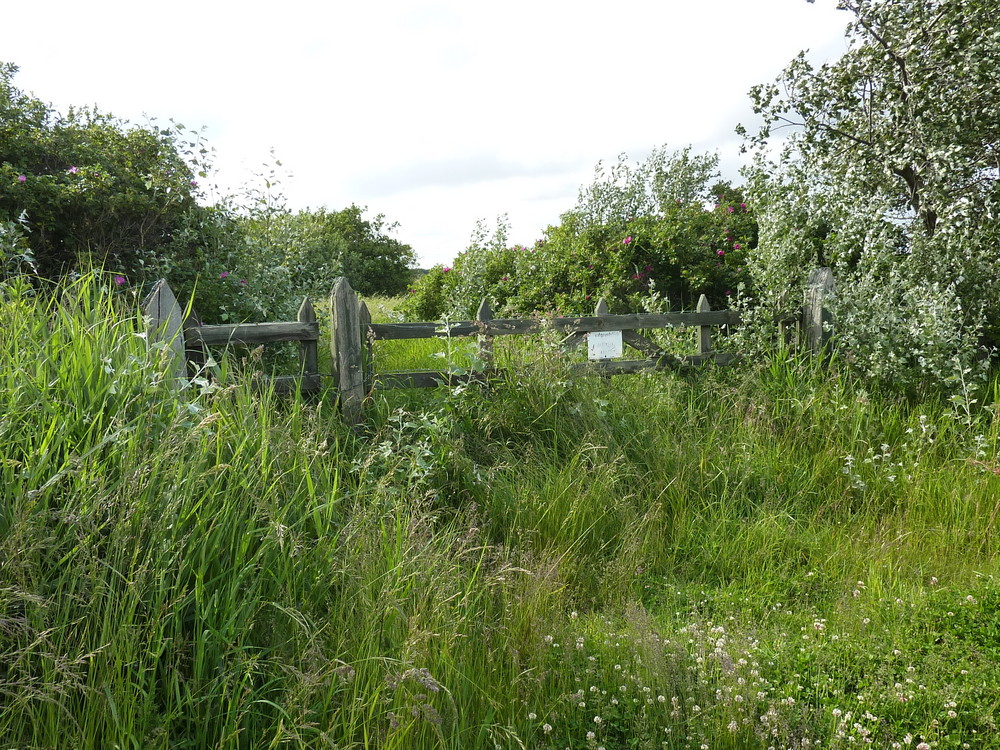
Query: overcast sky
[(433, 113)]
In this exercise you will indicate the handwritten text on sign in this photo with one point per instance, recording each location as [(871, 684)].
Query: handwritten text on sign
[(604, 345)]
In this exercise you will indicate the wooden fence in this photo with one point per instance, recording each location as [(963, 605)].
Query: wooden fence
[(189, 340), (353, 335)]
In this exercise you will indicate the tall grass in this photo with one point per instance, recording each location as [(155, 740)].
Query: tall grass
[(764, 556)]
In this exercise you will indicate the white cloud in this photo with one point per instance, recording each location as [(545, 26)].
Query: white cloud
[(434, 113)]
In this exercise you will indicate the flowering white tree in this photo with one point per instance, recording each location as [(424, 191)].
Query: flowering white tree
[(890, 172)]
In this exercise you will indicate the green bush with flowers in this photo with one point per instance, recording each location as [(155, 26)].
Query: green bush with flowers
[(89, 188), (630, 239)]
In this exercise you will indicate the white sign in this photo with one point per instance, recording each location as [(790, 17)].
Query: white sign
[(604, 345)]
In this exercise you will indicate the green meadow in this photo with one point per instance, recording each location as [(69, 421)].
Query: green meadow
[(768, 555)]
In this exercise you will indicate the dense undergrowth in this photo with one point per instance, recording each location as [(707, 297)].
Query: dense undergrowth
[(769, 555)]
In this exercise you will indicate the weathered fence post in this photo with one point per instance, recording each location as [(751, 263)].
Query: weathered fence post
[(817, 321), (483, 316), (166, 324), (345, 346), (704, 332), (308, 350), (195, 352)]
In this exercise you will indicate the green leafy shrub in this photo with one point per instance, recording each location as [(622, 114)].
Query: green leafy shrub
[(91, 188), (891, 161), (656, 234)]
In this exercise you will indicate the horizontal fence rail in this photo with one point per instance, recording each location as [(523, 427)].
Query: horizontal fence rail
[(522, 326), (253, 333)]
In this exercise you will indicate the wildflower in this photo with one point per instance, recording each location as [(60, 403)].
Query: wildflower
[(923, 746), (934, 581), (21, 178), (721, 253), (194, 183), (743, 206), (737, 246), (598, 720), (73, 170), (627, 240), (446, 269), (547, 728), (503, 279), (119, 280), (243, 282), (532, 716), (591, 737), (729, 209)]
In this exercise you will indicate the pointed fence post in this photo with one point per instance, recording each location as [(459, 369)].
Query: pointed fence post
[(308, 351), (345, 346), (704, 332), (483, 316), (817, 320), (195, 352), (166, 324)]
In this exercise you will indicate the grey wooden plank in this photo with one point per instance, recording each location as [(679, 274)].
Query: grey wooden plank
[(166, 324), (514, 326), (255, 333)]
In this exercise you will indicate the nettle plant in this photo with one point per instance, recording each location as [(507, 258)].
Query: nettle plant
[(655, 233), (889, 174)]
